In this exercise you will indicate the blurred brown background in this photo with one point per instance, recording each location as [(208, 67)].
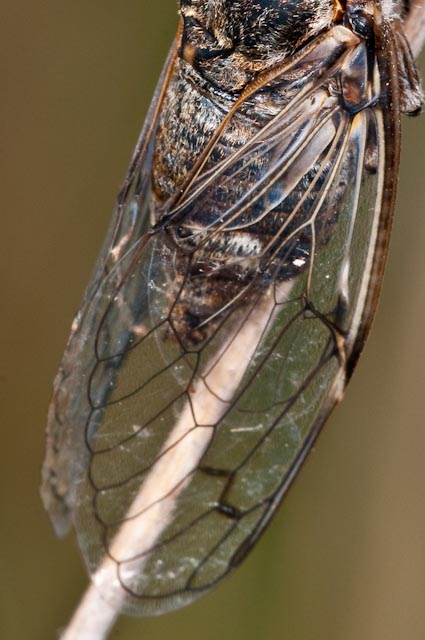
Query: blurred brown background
[(345, 558)]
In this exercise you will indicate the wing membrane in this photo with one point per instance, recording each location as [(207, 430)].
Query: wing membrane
[(202, 392), (66, 456)]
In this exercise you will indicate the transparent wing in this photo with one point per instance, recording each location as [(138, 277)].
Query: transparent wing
[(131, 220), (218, 342)]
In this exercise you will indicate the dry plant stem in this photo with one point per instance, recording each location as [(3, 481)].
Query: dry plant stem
[(103, 601), (93, 618), (153, 507)]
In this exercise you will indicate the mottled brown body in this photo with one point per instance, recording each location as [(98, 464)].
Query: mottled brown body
[(224, 47)]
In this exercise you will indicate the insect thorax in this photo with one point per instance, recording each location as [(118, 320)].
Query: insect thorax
[(233, 240), (230, 41)]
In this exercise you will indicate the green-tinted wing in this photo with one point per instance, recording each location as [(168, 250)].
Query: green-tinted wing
[(211, 352)]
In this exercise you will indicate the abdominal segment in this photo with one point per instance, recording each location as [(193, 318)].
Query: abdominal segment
[(256, 212)]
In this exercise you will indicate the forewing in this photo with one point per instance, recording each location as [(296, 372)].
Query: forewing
[(199, 398), (66, 455)]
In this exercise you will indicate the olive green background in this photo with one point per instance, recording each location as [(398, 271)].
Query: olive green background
[(345, 557)]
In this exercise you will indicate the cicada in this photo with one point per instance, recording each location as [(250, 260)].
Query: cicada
[(235, 289)]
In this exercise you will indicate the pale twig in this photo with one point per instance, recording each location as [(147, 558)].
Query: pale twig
[(153, 507)]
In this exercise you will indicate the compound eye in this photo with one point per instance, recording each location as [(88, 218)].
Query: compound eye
[(360, 18)]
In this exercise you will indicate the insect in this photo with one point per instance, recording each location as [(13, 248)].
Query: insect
[(234, 291)]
